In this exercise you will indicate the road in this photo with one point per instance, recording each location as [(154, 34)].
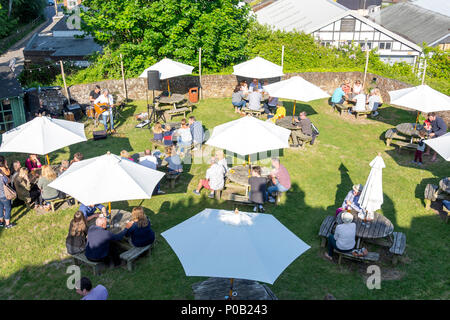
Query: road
[(16, 51)]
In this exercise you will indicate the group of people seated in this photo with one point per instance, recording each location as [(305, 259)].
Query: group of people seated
[(97, 242), (251, 97), (190, 133), (356, 95), (31, 183)]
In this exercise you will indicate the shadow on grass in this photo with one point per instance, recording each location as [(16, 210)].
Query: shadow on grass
[(440, 168), (299, 107)]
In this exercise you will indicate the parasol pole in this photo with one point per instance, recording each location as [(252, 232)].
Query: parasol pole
[(168, 86), (423, 82), (48, 160), (293, 112), (109, 208), (231, 289)]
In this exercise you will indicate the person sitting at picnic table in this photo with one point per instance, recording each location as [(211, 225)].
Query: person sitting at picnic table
[(255, 84), (238, 99), (360, 103), (271, 105), (306, 133), (173, 161), (356, 88), (15, 171), (221, 160), (63, 167), (157, 132), (339, 96), (196, 132), (125, 155), (139, 229), (77, 157), (24, 188), (184, 137), (214, 179), (280, 179), (89, 211), (254, 100), (84, 288), (351, 200), (33, 162), (47, 193), (100, 246), (76, 238), (344, 236), (438, 128), (279, 114), (167, 135), (427, 127), (258, 190), (374, 101)]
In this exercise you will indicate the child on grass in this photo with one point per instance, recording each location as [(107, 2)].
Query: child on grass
[(420, 148)]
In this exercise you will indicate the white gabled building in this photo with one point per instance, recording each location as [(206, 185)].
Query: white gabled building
[(332, 24)]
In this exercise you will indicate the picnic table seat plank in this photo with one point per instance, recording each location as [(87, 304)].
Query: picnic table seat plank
[(399, 246), (131, 255), (370, 257), (326, 229), (81, 257)]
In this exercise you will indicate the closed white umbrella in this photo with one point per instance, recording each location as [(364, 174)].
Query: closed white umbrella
[(168, 69), (107, 178), (441, 145), (296, 88), (249, 135), (421, 98), (220, 243), (371, 197), (258, 68), (42, 135)]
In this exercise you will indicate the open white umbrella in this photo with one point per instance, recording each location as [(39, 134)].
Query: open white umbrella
[(243, 245), (441, 145), (258, 68), (249, 135), (371, 197), (107, 178), (296, 88), (421, 98), (42, 135), (168, 69)]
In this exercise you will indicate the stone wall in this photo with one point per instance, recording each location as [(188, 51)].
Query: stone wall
[(221, 86)]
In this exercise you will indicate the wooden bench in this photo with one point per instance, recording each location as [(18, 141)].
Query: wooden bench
[(239, 199), (218, 194), (370, 257), (325, 229), (132, 254), (433, 193), (56, 201), (399, 246), (340, 108), (175, 112), (364, 114), (173, 177), (81, 258), (253, 113), (404, 145)]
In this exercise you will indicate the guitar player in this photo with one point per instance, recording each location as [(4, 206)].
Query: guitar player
[(106, 99)]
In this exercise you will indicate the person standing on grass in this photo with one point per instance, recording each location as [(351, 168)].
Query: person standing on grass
[(184, 137), (343, 238), (280, 179), (196, 132), (84, 288), (438, 128), (257, 189), (420, 148), (5, 204), (215, 179)]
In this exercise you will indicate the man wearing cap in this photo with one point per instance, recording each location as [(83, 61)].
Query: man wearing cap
[(343, 238), (351, 200)]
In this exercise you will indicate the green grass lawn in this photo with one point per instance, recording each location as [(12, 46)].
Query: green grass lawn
[(33, 257)]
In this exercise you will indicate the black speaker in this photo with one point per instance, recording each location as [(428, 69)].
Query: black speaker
[(153, 79)]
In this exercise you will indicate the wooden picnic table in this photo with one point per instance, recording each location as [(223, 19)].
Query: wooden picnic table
[(407, 129), (380, 228), (286, 122), (174, 100), (239, 174)]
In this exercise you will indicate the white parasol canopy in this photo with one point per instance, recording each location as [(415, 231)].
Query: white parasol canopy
[(296, 88), (441, 145), (107, 178), (42, 135), (220, 243), (168, 69), (371, 197), (249, 135), (421, 98), (258, 68)]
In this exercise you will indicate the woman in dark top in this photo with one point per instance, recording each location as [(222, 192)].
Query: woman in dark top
[(258, 186), (139, 229), (76, 239)]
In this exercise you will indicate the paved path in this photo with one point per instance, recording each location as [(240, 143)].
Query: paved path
[(16, 51)]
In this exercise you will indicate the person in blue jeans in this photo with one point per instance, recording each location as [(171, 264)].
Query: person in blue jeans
[(5, 206), (280, 179), (106, 98), (238, 98)]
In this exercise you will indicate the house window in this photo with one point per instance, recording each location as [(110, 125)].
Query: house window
[(348, 25), (6, 116), (385, 46), (326, 43)]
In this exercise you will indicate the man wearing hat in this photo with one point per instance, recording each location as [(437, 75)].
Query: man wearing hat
[(343, 238), (351, 200)]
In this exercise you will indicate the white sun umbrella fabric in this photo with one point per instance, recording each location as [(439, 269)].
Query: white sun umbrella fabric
[(371, 197), (220, 243), (421, 98), (441, 145), (168, 69), (107, 178), (249, 135), (42, 135), (296, 88), (258, 68)]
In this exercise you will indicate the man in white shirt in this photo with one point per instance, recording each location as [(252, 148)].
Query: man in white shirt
[(360, 100), (215, 179), (254, 100), (105, 97), (148, 160)]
